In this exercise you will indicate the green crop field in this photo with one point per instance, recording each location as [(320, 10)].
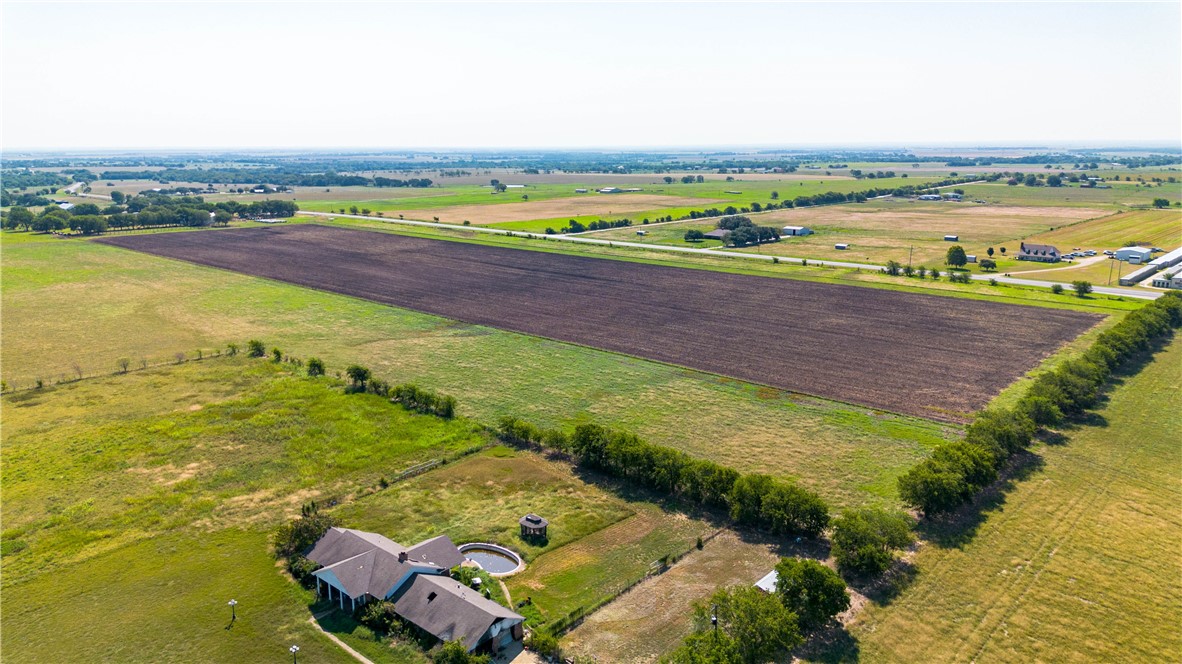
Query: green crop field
[(1122, 194), (1077, 564), (1158, 228)]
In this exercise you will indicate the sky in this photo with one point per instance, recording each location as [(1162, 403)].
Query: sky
[(596, 75)]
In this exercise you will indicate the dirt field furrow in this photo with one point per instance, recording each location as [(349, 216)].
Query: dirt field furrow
[(923, 355)]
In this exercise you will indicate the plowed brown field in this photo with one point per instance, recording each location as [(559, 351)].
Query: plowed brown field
[(924, 355)]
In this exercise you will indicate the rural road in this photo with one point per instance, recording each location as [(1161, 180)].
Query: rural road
[(1107, 290)]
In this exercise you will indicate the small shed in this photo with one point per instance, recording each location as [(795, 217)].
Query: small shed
[(768, 583), (796, 230), (533, 525), (972, 258), (841, 245), (580, 191), (952, 238)]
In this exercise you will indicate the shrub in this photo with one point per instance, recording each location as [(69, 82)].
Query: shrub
[(1057, 289), (358, 377), (255, 348), (864, 541), (1081, 288), (297, 536), (424, 401), (231, 349), (315, 366), (276, 355), (301, 570), (544, 643)]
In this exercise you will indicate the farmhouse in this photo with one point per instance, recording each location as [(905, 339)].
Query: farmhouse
[(930, 197), (364, 567), (717, 234), (1042, 253), (796, 230), (1134, 254)]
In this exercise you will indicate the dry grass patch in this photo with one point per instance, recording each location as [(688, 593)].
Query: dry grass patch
[(576, 206)]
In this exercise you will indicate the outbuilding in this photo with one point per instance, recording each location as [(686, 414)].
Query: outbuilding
[(533, 525), (717, 234), (841, 246), (952, 238), (796, 230), (1134, 254)]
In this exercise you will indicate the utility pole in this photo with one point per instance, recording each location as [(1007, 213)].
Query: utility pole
[(910, 249)]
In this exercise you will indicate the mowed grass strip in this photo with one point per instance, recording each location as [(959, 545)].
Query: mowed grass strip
[(1080, 563), (838, 342)]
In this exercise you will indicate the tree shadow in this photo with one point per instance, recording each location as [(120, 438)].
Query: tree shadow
[(886, 587), (956, 529), (832, 644)]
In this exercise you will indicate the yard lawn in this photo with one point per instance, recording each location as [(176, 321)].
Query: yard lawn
[(600, 538), (1079, 564)]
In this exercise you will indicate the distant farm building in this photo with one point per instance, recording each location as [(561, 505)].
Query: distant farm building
[(1042, 253), (733, 192), (365, 567), (952, 238), (1171, 278), (1134, 254), (717, 234), (533, 525), (1162, 262), (796, 230), (841, 246), (953, 196), (930, 197), (580, 191), (609, 190), (972, 258)]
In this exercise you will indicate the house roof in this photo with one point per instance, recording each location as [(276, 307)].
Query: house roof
[(448, 610), (1040, 249), (768, 583), (532, 520), (436, 551), (368, 563), (717, 234)]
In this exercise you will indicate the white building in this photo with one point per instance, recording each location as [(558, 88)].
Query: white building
[(1134, 254), (796, 230), (1171, 278)]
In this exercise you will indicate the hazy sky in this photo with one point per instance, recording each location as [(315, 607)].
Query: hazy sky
[(587, 75)]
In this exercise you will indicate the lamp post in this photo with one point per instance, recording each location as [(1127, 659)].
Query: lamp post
[(233, 612), (293, 650)]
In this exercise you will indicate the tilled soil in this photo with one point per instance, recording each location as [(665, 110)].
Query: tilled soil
[(925, 355)]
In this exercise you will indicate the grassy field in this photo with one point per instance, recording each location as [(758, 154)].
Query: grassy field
[(1078, 564), (890, 229), (1122, 194), (1158, 228), (56, 298), (147, 498)]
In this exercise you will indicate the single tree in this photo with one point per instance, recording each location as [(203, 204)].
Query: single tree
[(276, 355), (864, 541), (989, 251), (18, 217), (811, 590), (255, 348), (1162, 202), (358, 376), (761, 626), (694, 235), (956, 256), (988, 264), (1082, 288)]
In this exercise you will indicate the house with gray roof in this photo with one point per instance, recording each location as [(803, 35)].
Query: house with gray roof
[(1043, 253), (364, 567)]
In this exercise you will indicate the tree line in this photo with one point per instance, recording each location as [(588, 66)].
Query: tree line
[(957, 471), (282, 176), (756, 500), (741, 231)]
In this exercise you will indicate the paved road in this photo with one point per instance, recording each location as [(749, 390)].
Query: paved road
[(1107, 290)]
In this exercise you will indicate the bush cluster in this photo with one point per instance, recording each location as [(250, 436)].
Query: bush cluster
[(756, 500), (957, 471)]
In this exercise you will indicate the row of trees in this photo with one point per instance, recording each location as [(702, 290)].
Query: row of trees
[(956, 471), (757, 500)]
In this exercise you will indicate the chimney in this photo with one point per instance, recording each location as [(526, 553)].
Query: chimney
[(402, 557)]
